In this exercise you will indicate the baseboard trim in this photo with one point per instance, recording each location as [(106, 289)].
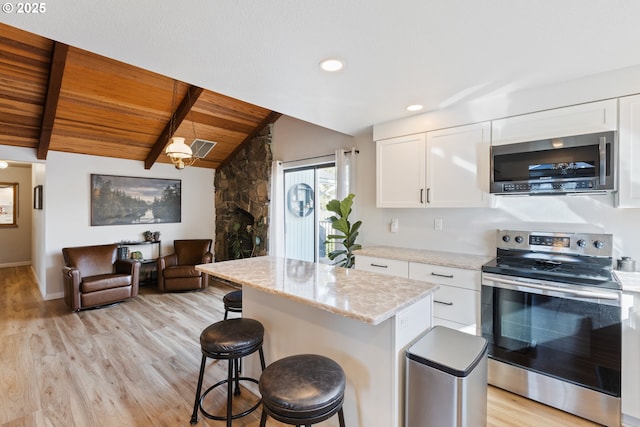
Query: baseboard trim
[(16, 264), (57, 295), (629, 421)]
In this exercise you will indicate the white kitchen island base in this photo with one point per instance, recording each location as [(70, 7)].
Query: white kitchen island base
[(362, 320), (372, 356)]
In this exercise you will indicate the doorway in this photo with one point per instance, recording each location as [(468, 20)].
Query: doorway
[(307, 190)]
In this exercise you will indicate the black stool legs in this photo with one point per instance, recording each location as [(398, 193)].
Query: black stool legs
[(232, 340), (194, 415), (233, 377)]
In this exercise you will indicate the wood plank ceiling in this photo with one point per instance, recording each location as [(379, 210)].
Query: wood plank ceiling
[(55, 97)]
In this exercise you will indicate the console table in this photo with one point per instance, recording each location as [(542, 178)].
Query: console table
[(148, 264)]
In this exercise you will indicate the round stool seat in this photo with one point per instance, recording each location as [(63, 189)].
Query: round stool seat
[(302, 387), (235, 337), (233, 301)]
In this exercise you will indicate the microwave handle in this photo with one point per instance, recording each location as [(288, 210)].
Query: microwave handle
[(603, 160)]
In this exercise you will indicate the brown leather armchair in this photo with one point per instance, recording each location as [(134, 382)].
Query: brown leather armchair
[(177, 272), (94, 276)]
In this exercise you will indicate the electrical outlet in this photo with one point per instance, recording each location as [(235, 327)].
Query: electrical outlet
[(394, 225), (437, 224)]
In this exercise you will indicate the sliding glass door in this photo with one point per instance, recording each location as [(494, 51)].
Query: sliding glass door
[(307, 191)]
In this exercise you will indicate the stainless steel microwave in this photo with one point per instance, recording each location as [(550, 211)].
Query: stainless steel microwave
[(573, 164)]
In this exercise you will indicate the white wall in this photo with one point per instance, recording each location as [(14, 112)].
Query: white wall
[(473, 230), (65, 219), (38, 228), (295, 139), (13, 250), (67, 207)]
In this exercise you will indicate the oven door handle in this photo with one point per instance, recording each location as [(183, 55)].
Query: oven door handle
[(571, 292)]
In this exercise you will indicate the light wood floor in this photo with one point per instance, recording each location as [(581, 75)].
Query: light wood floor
[(136, 363)]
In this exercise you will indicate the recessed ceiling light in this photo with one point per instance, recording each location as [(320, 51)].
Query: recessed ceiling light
[(3, 164), (331, 65), (414, 107)]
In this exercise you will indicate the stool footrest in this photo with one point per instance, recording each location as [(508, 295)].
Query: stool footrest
[(234, 416)]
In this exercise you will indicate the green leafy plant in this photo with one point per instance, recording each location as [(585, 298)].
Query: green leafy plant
[(343, 256), (244, 242)]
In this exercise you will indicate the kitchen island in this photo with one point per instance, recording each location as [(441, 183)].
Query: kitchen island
[(362, 320)]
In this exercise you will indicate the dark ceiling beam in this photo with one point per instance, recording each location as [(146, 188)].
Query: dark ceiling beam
[(271, 118), (58, 63), (190, 98)]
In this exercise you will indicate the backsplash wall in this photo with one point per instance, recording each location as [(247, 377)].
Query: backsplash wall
[(472, 230)]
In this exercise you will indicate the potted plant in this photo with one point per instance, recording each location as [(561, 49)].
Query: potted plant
[(344, 256), (148, 236), (245, 242)]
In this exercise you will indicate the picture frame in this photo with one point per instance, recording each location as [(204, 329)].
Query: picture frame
[(37, 197), (8, 204), (120, 200)]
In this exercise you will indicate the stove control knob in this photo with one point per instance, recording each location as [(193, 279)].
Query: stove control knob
[(506, 238), (582, 243), (519, 239), (598, 244)]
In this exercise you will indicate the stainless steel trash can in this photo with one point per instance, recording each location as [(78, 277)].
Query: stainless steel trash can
[(446, 383)]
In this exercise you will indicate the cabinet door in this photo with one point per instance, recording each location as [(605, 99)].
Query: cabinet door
[(629, 154), (630, 352), (458, 166), (575, 120), (400, 175)]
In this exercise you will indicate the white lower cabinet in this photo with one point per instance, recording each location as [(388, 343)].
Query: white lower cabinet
[(457, 303), (392, 267), (631, 359)]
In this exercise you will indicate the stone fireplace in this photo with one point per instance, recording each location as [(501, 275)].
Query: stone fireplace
[(242, 188)]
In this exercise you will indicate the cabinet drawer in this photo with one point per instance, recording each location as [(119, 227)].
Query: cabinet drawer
[(456, 304), (391, 267), (459, 277)]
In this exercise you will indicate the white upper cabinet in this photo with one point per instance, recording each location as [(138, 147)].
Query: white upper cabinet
[(443, 168), (400, 175), (458, 166), (575, 120), (629, 153)]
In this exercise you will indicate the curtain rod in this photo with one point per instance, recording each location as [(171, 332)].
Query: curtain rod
[(318, 157)]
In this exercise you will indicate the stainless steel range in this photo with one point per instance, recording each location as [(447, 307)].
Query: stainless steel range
[(551, 311)]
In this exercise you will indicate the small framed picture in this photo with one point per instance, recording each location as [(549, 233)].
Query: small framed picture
[(37, 197)]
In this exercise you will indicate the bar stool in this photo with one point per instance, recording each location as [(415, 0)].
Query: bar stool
[(302, 390), (232, 303), (230, 339)]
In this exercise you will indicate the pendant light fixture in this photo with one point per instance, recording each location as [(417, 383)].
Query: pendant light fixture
[(180, 153)]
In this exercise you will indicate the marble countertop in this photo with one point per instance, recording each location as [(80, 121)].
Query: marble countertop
[(447, 259), (630, 280), (368, 297)]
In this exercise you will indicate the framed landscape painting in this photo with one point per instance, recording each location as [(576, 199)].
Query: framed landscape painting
[(117, 200)]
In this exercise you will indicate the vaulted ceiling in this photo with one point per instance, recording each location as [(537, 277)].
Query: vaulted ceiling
[(55, 97)]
